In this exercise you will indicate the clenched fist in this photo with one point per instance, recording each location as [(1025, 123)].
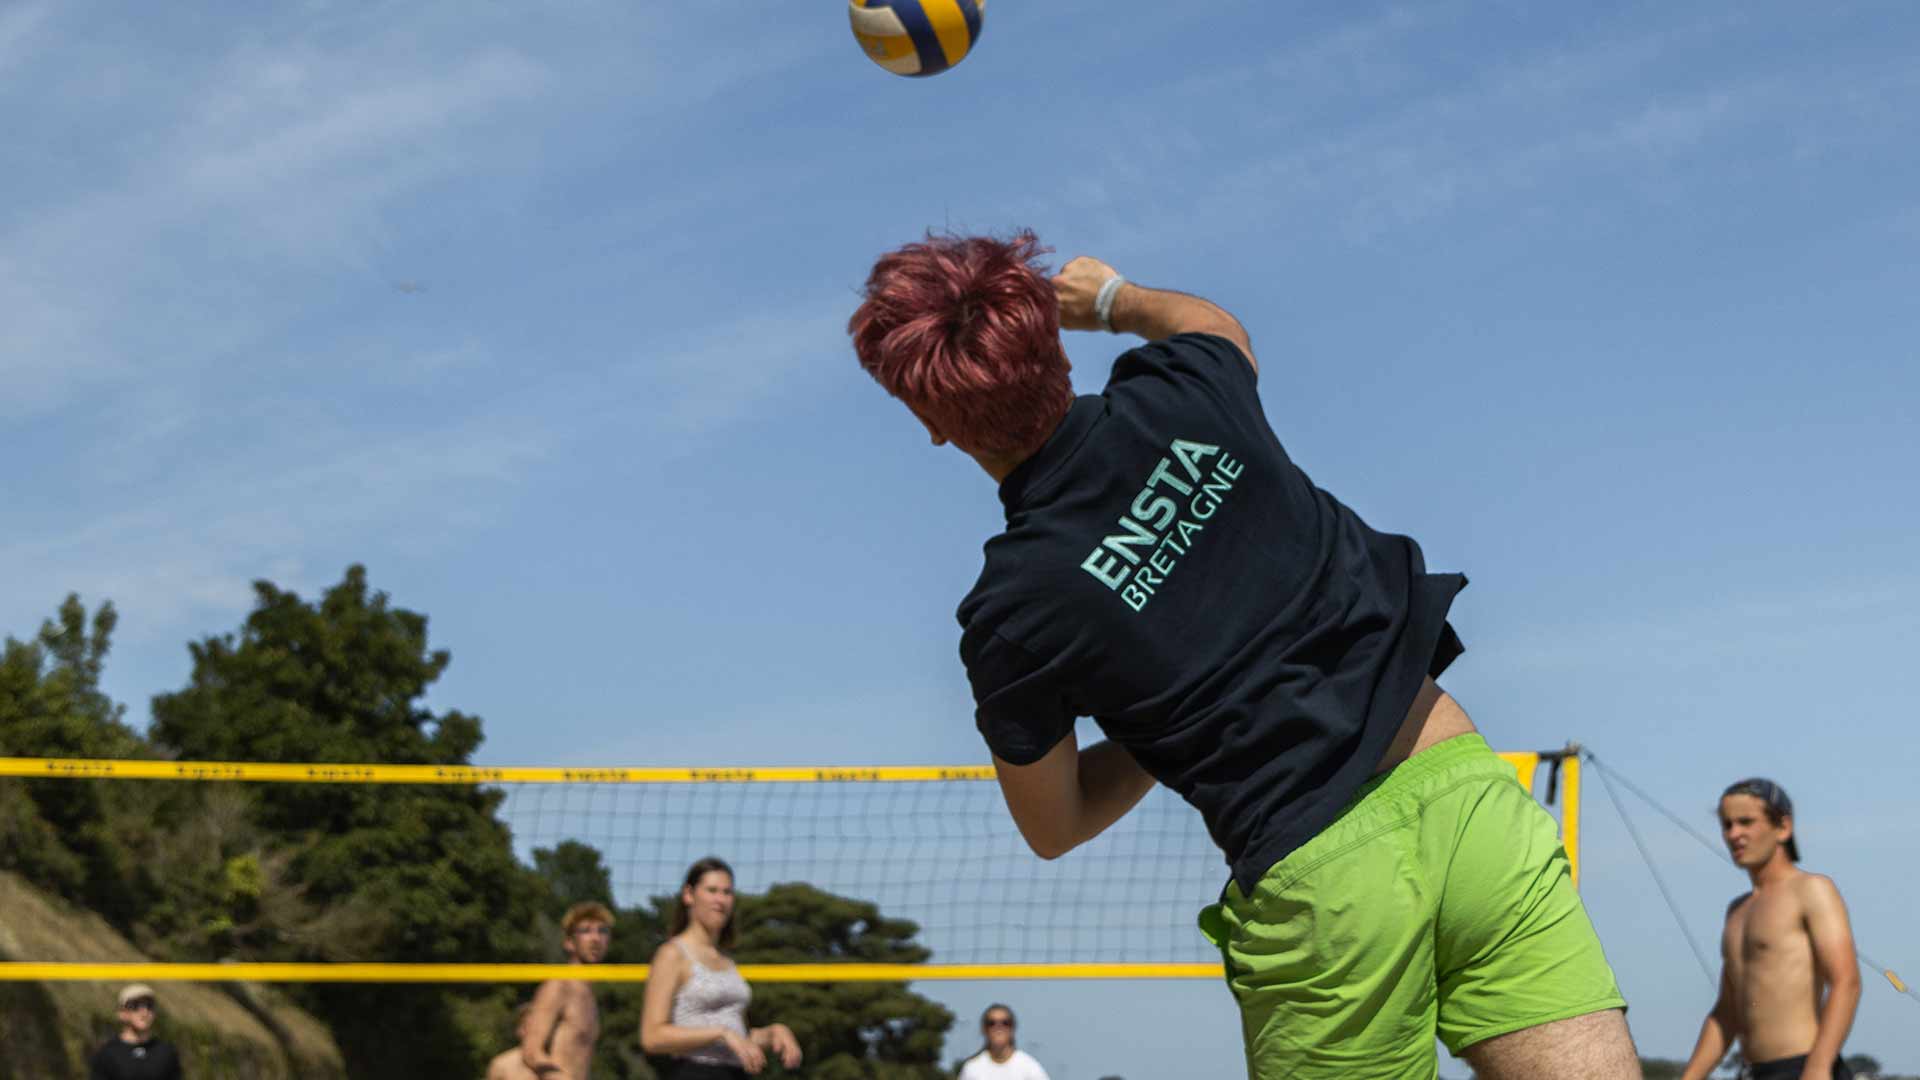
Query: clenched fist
[(1077, 284)]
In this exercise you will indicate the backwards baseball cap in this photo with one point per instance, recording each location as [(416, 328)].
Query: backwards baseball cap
[(1775, 798), (135, 992)]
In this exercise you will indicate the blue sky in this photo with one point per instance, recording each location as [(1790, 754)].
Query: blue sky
[(540, 315)]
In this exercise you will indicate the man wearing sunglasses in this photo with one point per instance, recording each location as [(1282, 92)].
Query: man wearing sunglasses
[(999, 1059), (135, 1053)]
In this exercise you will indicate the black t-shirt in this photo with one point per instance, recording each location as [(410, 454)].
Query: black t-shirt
[(150, 1060), (1168, 570)]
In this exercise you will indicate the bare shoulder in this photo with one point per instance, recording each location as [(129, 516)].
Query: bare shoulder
[(1816, 891), (669, 962), (559, 993), (1734, 904), (1808, 881)]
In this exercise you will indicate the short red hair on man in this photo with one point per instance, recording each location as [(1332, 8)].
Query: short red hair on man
[(584, 912), (965, 330)]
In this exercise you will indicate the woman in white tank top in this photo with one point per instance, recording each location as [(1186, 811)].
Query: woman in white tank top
[(696, 1003)]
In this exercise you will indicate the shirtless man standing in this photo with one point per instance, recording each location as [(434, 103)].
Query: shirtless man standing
[(1785, 943), (556, 1041)]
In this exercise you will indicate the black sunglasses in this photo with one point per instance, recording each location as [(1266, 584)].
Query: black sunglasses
[(141, 1003), (997, 1021)]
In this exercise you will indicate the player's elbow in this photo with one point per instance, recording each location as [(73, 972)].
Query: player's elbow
[(650, 1039), (1223, 325), (1048, 851), (1236, 333), (1049, 844)]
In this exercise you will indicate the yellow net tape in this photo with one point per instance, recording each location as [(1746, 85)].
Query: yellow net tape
[(1526, 765), (525, 973), (269, 772)]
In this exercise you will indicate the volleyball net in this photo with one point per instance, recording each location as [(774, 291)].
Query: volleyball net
[(931, 845)]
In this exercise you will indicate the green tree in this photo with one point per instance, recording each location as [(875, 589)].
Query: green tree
[(882, 1031), (420, 873), (60, 833), (573, 873), (175, 867), (1865, 1066)]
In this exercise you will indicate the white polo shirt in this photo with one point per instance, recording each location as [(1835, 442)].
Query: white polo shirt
[(1018, 1066)]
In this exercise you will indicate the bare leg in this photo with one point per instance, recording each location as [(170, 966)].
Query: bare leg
[(1591, 1047)]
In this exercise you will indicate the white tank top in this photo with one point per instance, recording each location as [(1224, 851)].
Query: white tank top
[(711, 998)]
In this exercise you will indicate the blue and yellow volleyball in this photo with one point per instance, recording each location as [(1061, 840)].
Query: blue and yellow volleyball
[(916, 37)]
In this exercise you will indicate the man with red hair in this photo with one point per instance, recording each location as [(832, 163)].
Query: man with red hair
[(1244, 638), (562, 1022)]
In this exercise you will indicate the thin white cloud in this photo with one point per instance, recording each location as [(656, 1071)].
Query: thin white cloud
[(176, 552), (1706, 633), (240, 192), (732, 370), (19, 24), (1354, 58), (257, 188), (250, 144), (1337, 132), (1905, 222), (49, 344)]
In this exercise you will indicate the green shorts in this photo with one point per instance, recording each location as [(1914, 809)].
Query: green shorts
[(1439, 902)]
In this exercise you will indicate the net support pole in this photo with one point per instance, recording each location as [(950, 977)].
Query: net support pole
[(1570, 809)]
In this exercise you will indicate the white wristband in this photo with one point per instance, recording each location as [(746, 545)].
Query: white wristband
[(1103, 301)]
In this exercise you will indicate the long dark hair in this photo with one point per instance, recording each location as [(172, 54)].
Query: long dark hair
[(677, 922)]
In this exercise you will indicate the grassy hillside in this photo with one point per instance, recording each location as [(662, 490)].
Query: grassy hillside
[(48, 1029)]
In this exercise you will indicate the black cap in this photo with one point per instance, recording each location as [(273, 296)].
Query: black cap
[(1775, 796)]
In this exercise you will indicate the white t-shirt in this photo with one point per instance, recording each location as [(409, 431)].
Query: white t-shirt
[(1018, 1066)]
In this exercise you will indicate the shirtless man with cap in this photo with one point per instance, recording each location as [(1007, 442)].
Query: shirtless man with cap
[(1789, 981)]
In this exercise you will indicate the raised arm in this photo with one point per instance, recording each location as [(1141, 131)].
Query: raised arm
[(658, 1033), (1071, 795), (1839, 967), (1153, 314)]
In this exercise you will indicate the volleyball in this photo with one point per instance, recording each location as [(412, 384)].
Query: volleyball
[(916, 37)]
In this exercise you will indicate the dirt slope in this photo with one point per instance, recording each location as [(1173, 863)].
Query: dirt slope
[(47, 1030)]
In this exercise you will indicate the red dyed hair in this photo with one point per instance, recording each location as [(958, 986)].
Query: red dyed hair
[(966, 331)]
